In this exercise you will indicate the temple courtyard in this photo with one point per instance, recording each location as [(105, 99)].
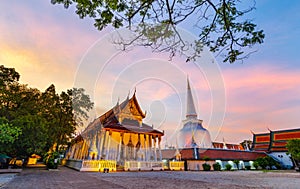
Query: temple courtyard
[(68, 178)]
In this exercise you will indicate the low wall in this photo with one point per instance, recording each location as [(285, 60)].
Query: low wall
[(143, 165)]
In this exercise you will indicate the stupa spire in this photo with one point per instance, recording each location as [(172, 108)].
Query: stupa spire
[(190, 109)]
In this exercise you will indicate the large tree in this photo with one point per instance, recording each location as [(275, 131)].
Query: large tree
[(219, 24), (32, 121), (293, 147)]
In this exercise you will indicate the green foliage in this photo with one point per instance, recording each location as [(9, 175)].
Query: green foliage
[(236, 162), (206, 167), (266, 162), (51, 160), (217, 167), (228, 167), (255, 164), (32, 121), (248, 167), (220, 25), (206, 158), (293, 147), (8, 133)]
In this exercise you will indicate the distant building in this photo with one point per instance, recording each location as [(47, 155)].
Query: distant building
[(274, 144), (194, 144)]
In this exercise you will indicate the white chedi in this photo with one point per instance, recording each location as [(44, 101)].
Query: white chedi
[(192, 134)]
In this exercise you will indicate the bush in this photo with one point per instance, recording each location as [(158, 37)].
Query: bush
[(206, 167), (266, 162), (255, 164), (217, 167), (248, 167), (51, 160), (228, 167)]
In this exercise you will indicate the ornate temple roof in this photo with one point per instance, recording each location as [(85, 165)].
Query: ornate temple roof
[(124, 117), (274, 141)]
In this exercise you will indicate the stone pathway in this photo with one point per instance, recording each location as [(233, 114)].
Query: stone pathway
[(32, 178)]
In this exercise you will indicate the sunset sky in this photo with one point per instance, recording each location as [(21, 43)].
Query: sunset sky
[(49, 44)]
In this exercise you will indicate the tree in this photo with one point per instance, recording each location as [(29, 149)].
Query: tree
[(81, 104), (219, 24), (34, 138), (32, 121), (293, 147), (267, 162), (8, 133), (8, 76)]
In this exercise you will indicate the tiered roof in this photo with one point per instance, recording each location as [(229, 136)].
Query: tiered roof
[(274, 141), (131, 123), (220, 145)]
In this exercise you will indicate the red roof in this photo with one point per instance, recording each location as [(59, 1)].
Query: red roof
[(214, 154), (274, 141)]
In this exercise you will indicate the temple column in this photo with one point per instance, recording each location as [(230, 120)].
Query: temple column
[(150, 147), (108, 144), (103, 145), (155, 154), (102, 140), (93, 152), (120, 147), (98, 144), (145, 145), (82, 149), (159, 148)]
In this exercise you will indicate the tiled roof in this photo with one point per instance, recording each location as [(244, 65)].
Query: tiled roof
[(214, 154), (228, 146), (274, 141), (109, 120)]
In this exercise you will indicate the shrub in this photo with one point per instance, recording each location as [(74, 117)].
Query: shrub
[(206, 158), (236, 162), (217, 167), (228, 167), (255, 164), (267, 162), (248, 167), (51, 160), (206, 167)]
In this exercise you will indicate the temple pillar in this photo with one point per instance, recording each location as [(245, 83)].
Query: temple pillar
[(93, 152), (120, 147), (145, 147), (103, 155), (82, 149), (108, 144), (155, 153), (159, 148)]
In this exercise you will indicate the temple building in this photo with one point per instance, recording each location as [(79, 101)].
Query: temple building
[(192, 134), (118, 137), (274, 144)]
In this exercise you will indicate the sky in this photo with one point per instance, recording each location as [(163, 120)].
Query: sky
[(48, 44)]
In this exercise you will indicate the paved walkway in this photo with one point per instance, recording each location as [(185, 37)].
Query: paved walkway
[(38, 178), (31, 178)]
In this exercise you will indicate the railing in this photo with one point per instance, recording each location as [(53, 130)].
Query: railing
[(92, 165), (176, 165), (99, 165), (143, 165)]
